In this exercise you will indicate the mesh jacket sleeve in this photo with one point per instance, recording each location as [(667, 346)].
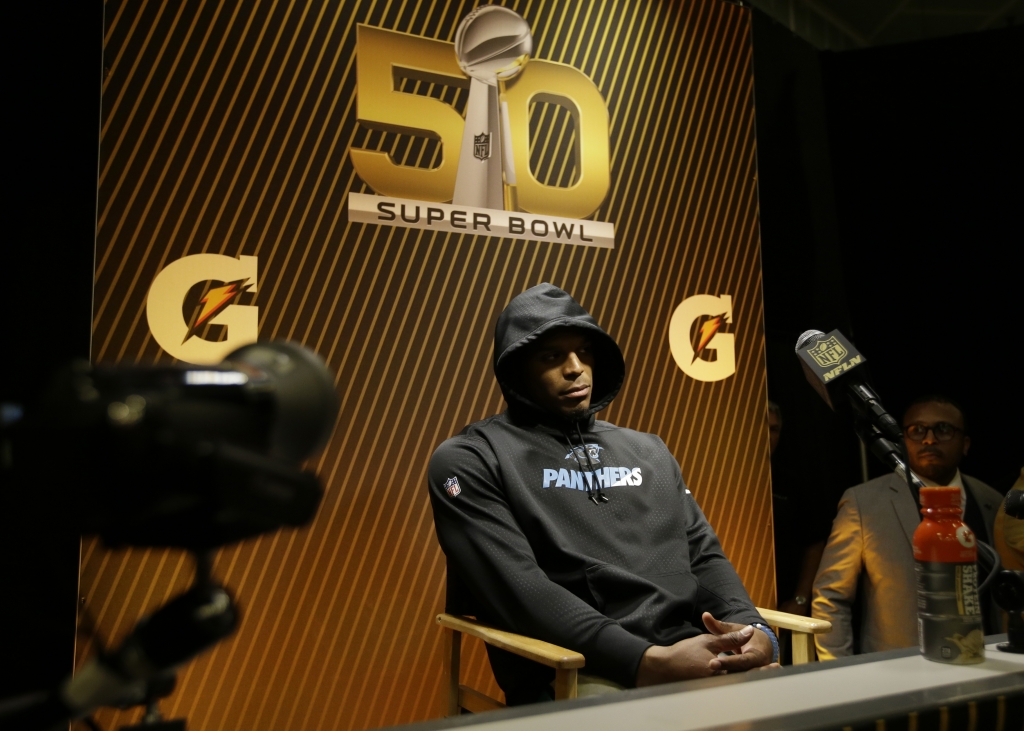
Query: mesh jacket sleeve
[(721, 591)]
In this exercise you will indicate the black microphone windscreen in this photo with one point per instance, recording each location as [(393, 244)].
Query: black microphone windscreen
[(1014, 504), (305, 398)]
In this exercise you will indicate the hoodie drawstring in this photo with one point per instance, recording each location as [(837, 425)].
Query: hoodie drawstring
[(597, 495)]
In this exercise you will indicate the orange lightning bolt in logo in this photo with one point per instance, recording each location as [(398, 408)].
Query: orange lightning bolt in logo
[(707, 331), (216, 299)]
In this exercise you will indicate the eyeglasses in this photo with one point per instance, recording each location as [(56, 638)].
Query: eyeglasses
[(942, 430)]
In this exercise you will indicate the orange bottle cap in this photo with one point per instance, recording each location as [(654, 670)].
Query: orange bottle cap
[(940, 497)]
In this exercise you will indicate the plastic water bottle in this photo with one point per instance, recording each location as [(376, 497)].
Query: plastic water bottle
[(949, 624)]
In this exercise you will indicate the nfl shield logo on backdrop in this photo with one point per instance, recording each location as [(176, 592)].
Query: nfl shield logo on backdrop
[(451, 486), (482, 146)]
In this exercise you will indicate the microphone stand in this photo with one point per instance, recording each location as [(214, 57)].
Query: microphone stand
[(153, 720), (183, 634), (143, 669), (890, 454)]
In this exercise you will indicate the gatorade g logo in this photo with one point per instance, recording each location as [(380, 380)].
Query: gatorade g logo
[(229, 278), (707, 354), (965, 536)]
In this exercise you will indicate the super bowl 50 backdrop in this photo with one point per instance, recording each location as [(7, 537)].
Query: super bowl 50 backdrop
[(376, 179)]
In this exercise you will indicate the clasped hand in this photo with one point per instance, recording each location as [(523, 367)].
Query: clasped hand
[(697, 657)]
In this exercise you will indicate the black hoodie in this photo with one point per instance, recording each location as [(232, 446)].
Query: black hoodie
[(529, 550)]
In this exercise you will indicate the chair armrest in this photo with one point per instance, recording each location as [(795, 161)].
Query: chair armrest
[(543, 652), (794, 622)]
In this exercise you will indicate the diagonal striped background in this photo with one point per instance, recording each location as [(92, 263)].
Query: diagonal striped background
[(226, 129)]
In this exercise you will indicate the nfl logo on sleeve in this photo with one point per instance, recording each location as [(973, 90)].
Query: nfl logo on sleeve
[(451, 486)]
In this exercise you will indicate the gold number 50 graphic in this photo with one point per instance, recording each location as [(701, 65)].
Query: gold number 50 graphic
[(385, 56)]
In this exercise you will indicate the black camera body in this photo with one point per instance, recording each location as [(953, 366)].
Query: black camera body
[(187, 456)]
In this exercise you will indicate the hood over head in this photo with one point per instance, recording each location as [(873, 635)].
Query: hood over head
[(531, 314)]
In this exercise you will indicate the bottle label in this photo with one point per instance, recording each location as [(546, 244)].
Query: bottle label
[(949, 612)]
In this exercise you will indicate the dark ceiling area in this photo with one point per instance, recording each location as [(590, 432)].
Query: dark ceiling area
[(889, 194), (838, 25)]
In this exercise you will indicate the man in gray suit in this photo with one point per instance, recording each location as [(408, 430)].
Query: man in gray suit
[(870, 548)]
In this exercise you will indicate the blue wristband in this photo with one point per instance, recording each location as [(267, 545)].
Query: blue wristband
[(771, 636)]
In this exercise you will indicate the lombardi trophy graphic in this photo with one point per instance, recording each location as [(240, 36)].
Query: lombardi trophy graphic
[(492, 45)]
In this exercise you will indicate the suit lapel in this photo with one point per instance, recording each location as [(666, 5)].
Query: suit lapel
[(906, 510), (988, 509)]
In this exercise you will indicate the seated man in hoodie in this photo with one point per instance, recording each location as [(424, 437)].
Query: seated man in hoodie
[(578, 532)]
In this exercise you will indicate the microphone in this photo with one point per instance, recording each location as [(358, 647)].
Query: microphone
[(1014, 504), (834, 368)]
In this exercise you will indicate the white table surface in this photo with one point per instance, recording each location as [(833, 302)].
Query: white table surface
[(782, 694)]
